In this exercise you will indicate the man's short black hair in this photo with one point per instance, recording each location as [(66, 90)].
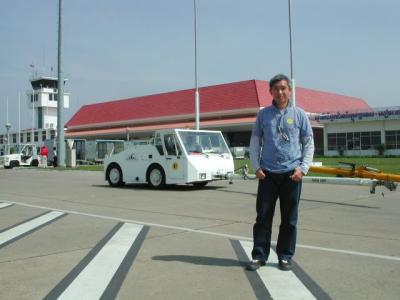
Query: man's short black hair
[(278, 78)]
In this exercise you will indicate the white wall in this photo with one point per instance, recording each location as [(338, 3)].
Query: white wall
[(360, 126)]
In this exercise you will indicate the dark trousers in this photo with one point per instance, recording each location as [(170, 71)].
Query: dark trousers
[(288, 191)]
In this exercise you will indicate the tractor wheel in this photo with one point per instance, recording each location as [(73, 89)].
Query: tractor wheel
[(156, 177), (114, 175)]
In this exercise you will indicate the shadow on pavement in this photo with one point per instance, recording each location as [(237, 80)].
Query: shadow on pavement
[(175, 187), (201, 260)]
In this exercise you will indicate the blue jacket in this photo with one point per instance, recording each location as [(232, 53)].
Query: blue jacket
[(281, 140)]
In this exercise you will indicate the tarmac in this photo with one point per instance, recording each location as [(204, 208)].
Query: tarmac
[(68, 235)]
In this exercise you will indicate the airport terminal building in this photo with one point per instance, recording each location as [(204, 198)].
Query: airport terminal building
[(342, 125), (232, 108)]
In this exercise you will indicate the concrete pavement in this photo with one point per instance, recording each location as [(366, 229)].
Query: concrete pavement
[(184, 241)]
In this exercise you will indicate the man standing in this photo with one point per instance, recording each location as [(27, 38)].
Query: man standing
[(55, 163), (281, 151)]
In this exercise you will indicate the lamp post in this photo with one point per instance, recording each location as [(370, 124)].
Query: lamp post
[(291, 55), (33, 103), (8, 126), (19, 121), (196, 93), (60, 98), (33, 116)]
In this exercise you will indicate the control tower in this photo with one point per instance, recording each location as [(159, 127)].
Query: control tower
[(43, 99)]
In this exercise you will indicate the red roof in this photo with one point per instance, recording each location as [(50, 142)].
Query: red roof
[(322, 102), (218, 100)]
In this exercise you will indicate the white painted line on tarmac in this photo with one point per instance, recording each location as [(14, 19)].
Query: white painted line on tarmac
[(280, 284), (5, 204), (94, 279), (26, 227), (237, 237), (371, 255), (229, 236)]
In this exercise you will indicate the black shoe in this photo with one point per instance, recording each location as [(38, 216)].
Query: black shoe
[(255, 264), (285, 264)]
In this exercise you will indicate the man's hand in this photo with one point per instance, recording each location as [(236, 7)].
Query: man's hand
[(297, 175), (260, 174)]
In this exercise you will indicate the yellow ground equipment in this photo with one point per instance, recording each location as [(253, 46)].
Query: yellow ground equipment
[(350, 170), (346, 174)]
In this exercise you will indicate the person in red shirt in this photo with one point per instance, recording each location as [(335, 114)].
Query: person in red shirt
[(43, 154)]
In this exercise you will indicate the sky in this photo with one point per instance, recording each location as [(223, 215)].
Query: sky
[(126, 48)]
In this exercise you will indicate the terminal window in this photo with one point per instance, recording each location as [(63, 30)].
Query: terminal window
[(354, 140), (392, 138)]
